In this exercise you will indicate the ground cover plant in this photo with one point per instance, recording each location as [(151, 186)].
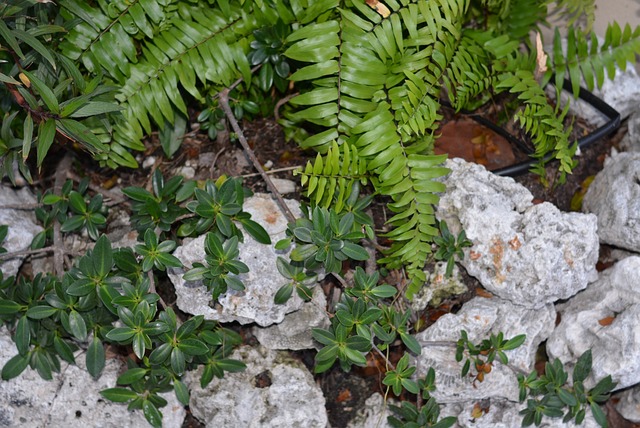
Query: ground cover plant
[(364, 83)]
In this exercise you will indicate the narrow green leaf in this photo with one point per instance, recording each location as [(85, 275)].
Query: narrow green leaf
[(46, 135), (8, 36), (23, 336), (40, 312), (15, 366), (27, 136), (182, 392), (9, 307), (152, 414), (132, 375), (118, 395), (96, 359), (94, 108), (36, 45), (102, 256), (45, 92), (76, 131), (77, 325)]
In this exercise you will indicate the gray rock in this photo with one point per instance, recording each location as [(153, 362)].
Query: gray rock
[(503, 414), (294, 333), (274, 391), (529, 254), (438, 287), (255, 303), (481, 317), (22, 225), (629, 404), (622, 93), (373, 414), (451, 387), (71, 399), (283, 185), (631, 141), (603, 318), (614, 197)]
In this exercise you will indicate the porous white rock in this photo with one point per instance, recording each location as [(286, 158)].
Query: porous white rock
[(294, 333), (628, 404), (373, 414), (605, 319), (71, 399), (255, 303), (438, 287), (529, 254), (22, 225), (496, 413), (283, 185), (480, 317), (631, 141), (275, 391), (614, 197), (622, 93)]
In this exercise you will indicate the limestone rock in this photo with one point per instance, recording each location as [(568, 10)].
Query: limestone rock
[(529, 254), (503, 414), (275, 391), (481, 317), (294, 333), (622, 93), (255, 303), (72, 399), (22, 225), (614, 197), (629, 404), (631, 141), (373, 415), (438, 287), (605, 319)]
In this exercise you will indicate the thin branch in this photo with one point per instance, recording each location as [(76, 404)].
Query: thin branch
[(223, 100), (280, 103), (58, 242), (25, 207), (14, 254), (272, 171), (152, 288)]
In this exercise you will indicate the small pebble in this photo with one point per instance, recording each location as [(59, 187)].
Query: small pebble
[(148, 162)]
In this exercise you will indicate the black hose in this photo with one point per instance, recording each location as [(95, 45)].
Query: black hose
[(606, 129)]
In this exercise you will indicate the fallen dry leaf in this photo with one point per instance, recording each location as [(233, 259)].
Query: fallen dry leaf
[(481, 292), (606, 321), (345, 395), (379, 7)]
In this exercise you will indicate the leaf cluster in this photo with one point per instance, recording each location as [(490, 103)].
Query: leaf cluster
[(482, 355), (552, 395)]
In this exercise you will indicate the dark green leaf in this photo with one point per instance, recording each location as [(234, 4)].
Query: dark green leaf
[(40, 312), (118, 395), (583, 367), (152, 414), (23, 336), (283, 294), (256, 231), (77, 325), (182, 392), (95, 358), (45, 92), (15, 366), (9, 307), (132, 375)]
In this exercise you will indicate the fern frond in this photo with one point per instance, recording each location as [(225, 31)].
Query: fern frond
[(540, 120), (588, 59), (330, 180), (574, 11)]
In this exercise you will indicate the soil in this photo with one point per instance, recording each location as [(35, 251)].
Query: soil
[(345, 393)]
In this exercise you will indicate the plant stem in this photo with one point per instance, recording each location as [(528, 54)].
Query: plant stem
[(223, 100)]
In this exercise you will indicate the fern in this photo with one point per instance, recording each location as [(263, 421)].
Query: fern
[(375, 87), (152, 49), (585, 58), (331, 178)]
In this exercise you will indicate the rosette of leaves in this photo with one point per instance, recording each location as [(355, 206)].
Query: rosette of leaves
[(267, 49), (552, 396), (218, 207), (221, 266)]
